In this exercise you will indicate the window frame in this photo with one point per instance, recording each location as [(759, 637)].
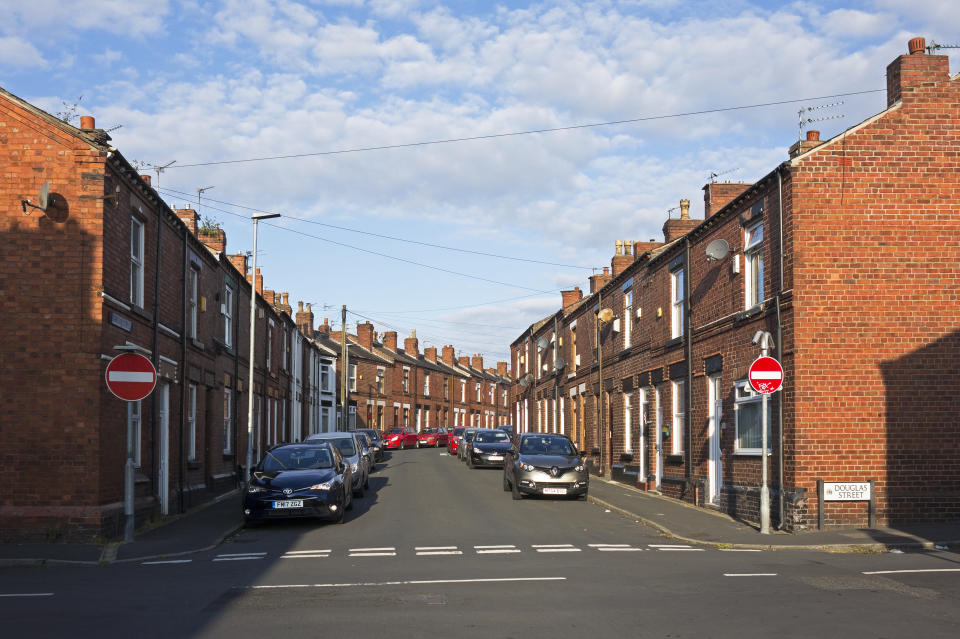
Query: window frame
[(227, 421), (193, 301), (744, 395), (678, 414), (677, 303), (137, 243), (627, 318), (753, 264), (228, 314), (191, 417), (627, 422), (352, 377)]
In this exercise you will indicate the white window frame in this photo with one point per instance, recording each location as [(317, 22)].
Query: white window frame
[(381, 373), (426, 384), (136, 261), (325, 378), (227, 421), (135, 420), (463, 391), (228, 314), (406, 379), (627, 422), (191, 422), (627, 318), (477, 388), (744, 395), (352, 377), (678, 390), (677, 303), (193, 298), (753, 264), (270, 325)]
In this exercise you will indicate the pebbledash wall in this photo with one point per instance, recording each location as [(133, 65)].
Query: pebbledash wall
[(859, 242)]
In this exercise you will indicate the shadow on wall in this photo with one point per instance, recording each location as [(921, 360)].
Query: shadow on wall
[(923, 433)]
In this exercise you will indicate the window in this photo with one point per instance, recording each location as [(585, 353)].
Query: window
[(446, 389), (677, 299), (133, 424), (627, 424), (228, 314), (627, 318), (753, 263), (679, 415), (574, 361), (136, 262), (380, 417), (492, 391), (380, 373), (286, 349), (426, 384), (463, 390), (193, 284), (406, 416), (227, 421), (192, 422), (325, 377), (352, 378), (269, 343), (748, 411), (478, 391), (504, 397), (406, 379)]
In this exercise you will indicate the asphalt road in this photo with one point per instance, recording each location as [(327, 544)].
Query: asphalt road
[(436, 549)]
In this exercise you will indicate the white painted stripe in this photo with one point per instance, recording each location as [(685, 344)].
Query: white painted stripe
[(749, 574), (131, 376), (435, 548), (235, 558), (305, 552), (412, 582), (766, 375), (681, 549), (497, 551), (893, 572), (391, 548), (373, 554), (29, 594), (620, 549), (609, 545), (501, 546), (668, 545), (168, 561), (552, 546), (439, 552), (559, 550), (303, 556), (739, 550), (242, 554)]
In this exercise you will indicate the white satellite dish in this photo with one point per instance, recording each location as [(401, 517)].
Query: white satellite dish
[(44, 198), (717, 249), (559, 364), (542, 343)]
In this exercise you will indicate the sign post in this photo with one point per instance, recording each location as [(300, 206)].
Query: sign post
[(130, 377), (766, 376)]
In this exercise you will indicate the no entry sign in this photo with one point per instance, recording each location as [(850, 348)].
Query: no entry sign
[(131, 376), (766, 375)]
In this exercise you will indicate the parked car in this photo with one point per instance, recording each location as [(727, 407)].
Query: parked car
[(453, 440), (401, 438), (507, 428), (306, 479), (352, 450), (465, 440), (443, 435), (490, 447), (376, 442), (545, 464), (428, 437)]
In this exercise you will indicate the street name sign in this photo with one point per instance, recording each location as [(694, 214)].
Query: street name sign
[(765, 375), (131, 376), (846, 491)]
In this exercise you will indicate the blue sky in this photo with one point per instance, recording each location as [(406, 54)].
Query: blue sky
[(202, 83)]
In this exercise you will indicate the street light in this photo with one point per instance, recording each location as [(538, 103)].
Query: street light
[(253, 316), (604, 315)]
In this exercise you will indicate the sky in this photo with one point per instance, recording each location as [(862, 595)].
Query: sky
[(449, 167)]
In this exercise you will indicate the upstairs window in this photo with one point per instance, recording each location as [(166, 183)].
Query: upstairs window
[(753, 264), (352, 378), (426, 384), (627, 319), (136, 262), (228, 314), (406, 380), (193, 285), (380, 373), (678, 302), (679, 415)]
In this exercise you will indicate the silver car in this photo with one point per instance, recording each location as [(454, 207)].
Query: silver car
[(545, 464), (352, 449)]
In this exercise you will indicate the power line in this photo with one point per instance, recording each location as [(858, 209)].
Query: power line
[(388, 237), (430, 338), (529, 132)]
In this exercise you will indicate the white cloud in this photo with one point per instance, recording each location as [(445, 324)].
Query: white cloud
[(17, 52), (851, 23), (108, 57), (114, 16)]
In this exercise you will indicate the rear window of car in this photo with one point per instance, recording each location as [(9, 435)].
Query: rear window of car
[(457, 431), (297, 458), (395, 431), (491, 437), (346, 446)]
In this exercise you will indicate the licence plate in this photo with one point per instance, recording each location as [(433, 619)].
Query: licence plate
[(495, 457), (291, 503), (554, 491)]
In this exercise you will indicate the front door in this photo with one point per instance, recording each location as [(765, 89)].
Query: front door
[(163, 419), (715, 415), (659, 410)]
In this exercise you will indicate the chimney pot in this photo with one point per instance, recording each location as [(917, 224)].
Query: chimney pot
[(145, 178), (916, 45), (87, 122), (300, 307), (813, 136), (684, 209)]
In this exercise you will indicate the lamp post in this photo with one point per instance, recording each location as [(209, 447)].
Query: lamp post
[(253, 317), (603, 315)]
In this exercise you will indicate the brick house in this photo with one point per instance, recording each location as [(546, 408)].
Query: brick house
[(109, 264), (844, 254)]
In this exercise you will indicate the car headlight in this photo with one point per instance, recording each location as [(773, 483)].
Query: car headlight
[(525, 466), (354, 467), (256, 489), (327, 485), (579, 468), (477, 450)]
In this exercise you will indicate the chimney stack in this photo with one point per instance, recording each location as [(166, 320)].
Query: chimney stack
[(259, 282), (502, 369), (270, 297), (464, 361), (324, 329), (304, 319), (600, 280), (477, 362), (365, 335), (146, 178), (448, 355), (623, 257), (916, 74), (411, 346), (812, 141), (285, 304), (189, 217), (239, 262), (717, 195), (390, 340), (571, 296), (87, 122), (430, 353), (677, 228)]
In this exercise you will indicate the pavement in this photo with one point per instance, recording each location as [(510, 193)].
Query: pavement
[(207, 526)]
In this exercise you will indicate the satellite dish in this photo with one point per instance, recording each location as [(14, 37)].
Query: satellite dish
[(542, 343), (559, 364), (605, 315), (717, 249), (526, 379), (44, 198)]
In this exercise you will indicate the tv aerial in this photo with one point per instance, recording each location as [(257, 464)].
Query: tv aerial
[(933, 46), (714, 174), (804, 121)]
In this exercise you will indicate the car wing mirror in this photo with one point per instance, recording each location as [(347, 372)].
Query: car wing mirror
[(341, 468), (582, 454)]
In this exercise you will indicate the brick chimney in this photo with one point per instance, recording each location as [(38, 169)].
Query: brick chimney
[(270, 297), (639, 248), (464, 361), (213, 239), (801, 147), (146, 178), (324, 329), (285, 304), (477, 362), (623, 257), (430, 353), (411, 345), (365, 335), (572, 296), (390, 340), (304, 319), (600, 280), (191, 218), (239, 262), (911, 76), (502, 369), (259, 283), (87, 122), (675, 228), (717, 195), (449, 355)]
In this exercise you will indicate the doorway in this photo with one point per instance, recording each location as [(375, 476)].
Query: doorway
[(715, 415), (163, 470)]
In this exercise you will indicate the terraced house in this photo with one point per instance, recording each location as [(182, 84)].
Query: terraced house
[(845, 255)]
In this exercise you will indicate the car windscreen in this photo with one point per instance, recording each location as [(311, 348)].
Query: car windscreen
[(491, 437), (546, 446), (372, 434), (395, 431), (346, 446), (297, 458), (458, 431), (469, 435)]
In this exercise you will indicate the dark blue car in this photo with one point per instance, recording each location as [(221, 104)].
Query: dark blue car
[(490, 448), (299, 480)]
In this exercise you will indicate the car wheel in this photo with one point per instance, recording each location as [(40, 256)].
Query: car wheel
[(506, 484), (403, 445), (366, 482), (358, 492), (582, 497), (418, 443), (515, 490), (347, 500), (470, 461)]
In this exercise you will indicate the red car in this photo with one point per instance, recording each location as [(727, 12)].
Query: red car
[(401, 438), (453, 440), (435, 437)]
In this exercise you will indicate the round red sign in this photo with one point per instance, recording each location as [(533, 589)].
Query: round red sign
[(131, 376), (766, 375)]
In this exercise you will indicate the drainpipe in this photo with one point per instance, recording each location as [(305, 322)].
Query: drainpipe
[(183, 369), (689, 348), (780, 500), (156, 349), (235, 396)]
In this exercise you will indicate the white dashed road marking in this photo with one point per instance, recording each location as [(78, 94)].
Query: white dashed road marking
[(167, 561), (893, 572), (749, 574), (739, 550), (29, 594), (556, 548), (496, 550), (412, 582), (244, 556)]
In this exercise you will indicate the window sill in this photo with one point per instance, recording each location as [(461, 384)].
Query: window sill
[(750, 452), (676, 341), (676, 458), (228, 455), (197, 344), (193, 464), (140, 312), (756, 309)]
